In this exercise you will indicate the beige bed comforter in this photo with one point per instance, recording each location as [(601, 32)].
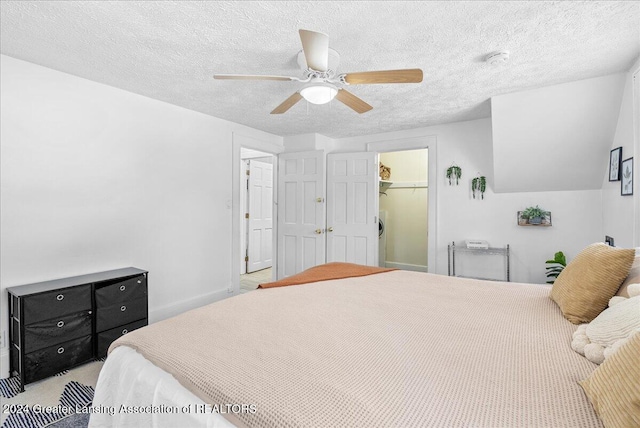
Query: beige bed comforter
[(392, 349)]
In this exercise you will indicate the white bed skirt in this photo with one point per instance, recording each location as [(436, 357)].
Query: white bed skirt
[(132, 392)]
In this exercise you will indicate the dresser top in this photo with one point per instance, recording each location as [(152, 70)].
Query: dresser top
[(41, 287)]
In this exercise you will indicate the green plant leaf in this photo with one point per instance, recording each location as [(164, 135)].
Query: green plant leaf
[(560, 258)]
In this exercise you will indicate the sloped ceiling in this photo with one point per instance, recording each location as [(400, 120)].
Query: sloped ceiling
[(169, 50), (557, 137)]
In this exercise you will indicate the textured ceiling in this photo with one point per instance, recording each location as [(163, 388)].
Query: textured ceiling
[(169, 51)]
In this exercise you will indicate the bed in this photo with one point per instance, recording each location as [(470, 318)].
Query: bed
[(396, 348)]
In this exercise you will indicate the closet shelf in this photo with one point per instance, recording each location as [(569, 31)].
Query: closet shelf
[(384, 185)]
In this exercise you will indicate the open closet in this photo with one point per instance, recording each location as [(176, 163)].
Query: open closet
[(403, 203)]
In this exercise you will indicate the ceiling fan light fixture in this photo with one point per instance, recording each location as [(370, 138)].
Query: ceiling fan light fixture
[(319, 93)]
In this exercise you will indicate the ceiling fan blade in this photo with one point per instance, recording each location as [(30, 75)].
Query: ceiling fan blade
[(252, 77), (412, 75), (316, 49), (287, 104), (353, 102)]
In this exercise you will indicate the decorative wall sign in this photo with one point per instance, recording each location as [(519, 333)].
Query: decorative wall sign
[(626, 184), (614, 164)]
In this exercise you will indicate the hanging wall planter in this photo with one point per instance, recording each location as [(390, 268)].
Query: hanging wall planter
[(534, 216), (479, 184), (454, 172)]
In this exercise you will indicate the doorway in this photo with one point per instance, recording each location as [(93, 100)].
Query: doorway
[(256, 211), (404, 210)]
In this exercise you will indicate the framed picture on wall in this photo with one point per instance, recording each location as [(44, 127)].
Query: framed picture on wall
[(626, 170), (614, 164)]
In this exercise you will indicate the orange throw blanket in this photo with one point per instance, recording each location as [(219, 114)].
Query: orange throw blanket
[(334, 270)]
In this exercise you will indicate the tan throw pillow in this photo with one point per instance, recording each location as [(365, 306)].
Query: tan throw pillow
[(632, 278), (613, 387), (584, 287)]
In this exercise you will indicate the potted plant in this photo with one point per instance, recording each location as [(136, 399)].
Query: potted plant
[(555, 266), (534, 214)]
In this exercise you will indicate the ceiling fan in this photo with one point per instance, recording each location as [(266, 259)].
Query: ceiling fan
[(319, 64)]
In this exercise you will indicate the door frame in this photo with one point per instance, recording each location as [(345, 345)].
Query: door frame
[(424, 142), (239, 141)]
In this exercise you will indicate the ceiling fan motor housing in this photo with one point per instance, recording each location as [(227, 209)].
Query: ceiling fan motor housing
[(333, 63)]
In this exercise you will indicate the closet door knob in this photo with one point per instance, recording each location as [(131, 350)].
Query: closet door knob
[(330, 229), (318, 231)]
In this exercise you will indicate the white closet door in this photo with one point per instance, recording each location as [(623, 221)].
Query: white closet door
[(352, 208), (260, 230), (301, 212)]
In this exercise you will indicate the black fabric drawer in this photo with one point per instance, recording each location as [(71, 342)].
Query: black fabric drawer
[(54, 304), (50, 332), (120, 314), (107, 337), (131, 289), (49, 361)]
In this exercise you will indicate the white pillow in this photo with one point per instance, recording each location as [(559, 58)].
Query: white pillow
[(615, 323), (608, 331)]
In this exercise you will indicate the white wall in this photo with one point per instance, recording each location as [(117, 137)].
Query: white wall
[(565, 131), (618, 215), (96, 178), (618, 210), (577, 216)]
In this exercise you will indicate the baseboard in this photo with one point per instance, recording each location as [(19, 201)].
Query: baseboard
[(406, 266), (174, 309)]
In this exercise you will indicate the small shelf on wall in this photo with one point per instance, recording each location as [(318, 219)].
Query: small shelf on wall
[(545, 222)]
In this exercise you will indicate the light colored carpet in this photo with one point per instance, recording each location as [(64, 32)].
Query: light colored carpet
[(47, 392), (250, 281)]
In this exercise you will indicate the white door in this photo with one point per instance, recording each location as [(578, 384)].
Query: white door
[(301, 212), (260, 229), (352, 212)]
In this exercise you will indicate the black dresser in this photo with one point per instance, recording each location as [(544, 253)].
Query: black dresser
[(56, 325)]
